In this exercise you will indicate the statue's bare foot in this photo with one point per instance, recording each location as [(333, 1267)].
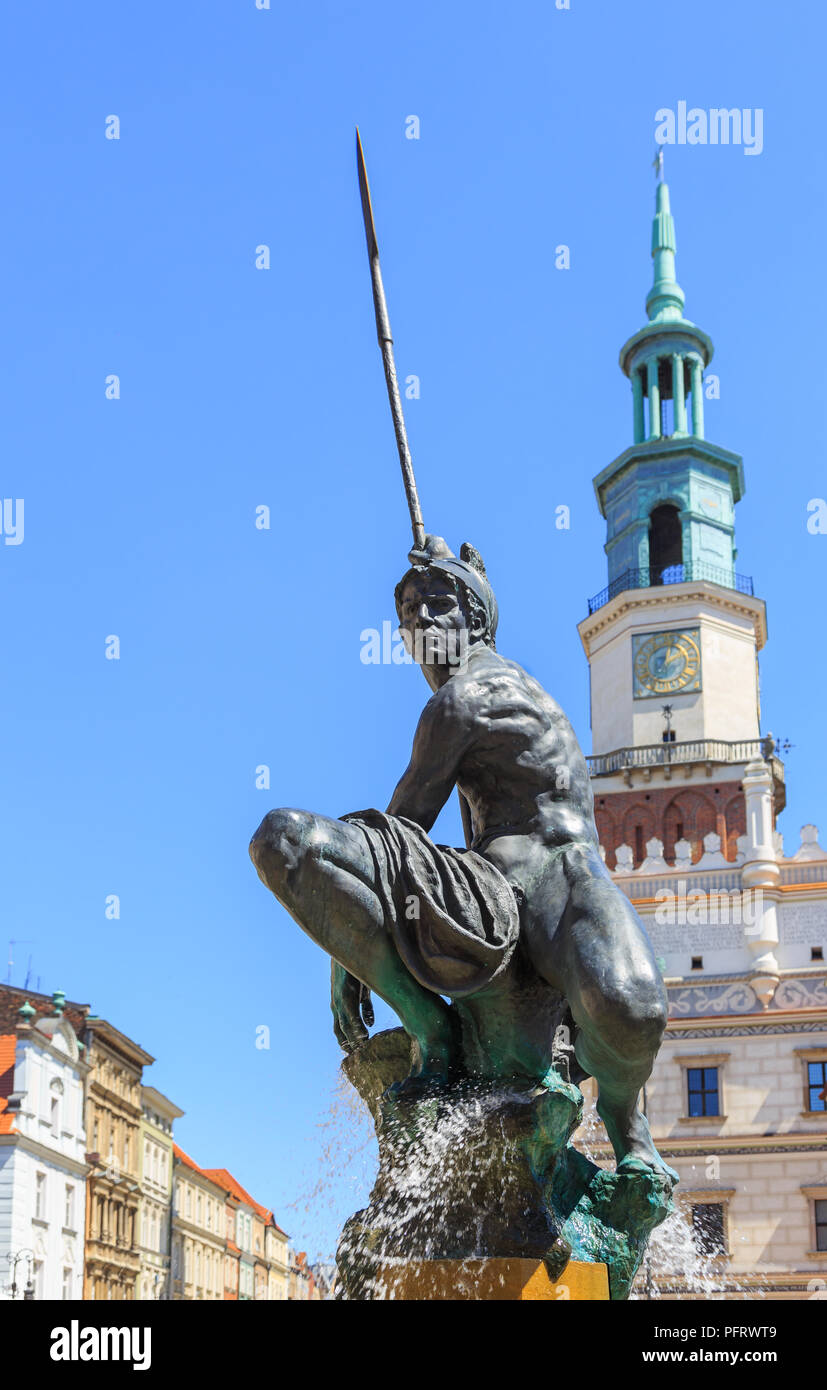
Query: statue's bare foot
[(632, 1142)]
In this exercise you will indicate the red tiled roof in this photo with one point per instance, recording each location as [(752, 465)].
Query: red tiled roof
[(7, 1046), (185, 1158), (191, 1163), (226, 1180)]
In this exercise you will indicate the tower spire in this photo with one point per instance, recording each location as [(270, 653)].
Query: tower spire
[(665, 299), (666, 358)]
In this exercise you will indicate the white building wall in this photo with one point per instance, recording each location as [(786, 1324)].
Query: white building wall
[(44, 1071)]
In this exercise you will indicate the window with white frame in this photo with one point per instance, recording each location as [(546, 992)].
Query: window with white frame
[(67, 1283), (40, 1196), (69, 1207), (702, 1080)]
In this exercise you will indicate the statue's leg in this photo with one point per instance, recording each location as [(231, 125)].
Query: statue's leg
[(322, 872), (604, 964)]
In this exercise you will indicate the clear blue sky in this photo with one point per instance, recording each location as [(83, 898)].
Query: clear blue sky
[(242, 387)]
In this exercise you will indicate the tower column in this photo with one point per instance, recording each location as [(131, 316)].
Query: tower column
[(697, 399), (760, 872), (654, 397), (678, 396), (637, 400)]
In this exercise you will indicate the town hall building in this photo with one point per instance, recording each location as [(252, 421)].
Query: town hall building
[(688, 792)]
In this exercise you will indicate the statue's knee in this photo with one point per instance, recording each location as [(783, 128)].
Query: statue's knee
[(280, 841), (630, 1023), (642, 1026)]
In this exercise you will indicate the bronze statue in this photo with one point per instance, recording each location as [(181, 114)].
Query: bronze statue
[(496, 956)]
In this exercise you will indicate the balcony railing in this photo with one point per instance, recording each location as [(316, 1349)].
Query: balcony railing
[(693, 751), (650, 578)]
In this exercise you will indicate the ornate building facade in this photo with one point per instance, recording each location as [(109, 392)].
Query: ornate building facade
[(113, 1127), (687, 797)]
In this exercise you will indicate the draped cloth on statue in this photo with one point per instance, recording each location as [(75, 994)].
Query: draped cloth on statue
[(452, 915)]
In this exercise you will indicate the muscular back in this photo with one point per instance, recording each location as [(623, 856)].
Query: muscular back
[(494, 730)]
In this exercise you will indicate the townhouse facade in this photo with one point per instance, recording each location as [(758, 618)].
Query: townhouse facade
[(259, 1252), (198, 1232), (156, 1178), (113, 1127), (42, 1149)]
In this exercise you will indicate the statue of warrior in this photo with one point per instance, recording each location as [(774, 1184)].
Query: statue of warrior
[(472, 948)]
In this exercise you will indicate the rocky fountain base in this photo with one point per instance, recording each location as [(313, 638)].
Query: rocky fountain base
[(486, 1171)]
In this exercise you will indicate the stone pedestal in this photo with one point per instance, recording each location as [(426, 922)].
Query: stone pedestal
[(492, 1281), (481, 1173)]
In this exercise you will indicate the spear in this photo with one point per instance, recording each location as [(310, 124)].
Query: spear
[(383, 333)]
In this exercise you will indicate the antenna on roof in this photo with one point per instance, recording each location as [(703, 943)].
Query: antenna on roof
[(16, 941)]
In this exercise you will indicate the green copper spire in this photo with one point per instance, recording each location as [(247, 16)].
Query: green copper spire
[(669, 499), (665, 300)]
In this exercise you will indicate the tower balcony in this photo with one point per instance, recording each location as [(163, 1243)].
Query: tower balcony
[(709, 751), (649, 578)]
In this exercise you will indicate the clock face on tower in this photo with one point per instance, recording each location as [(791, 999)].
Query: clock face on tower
[(666, 663)]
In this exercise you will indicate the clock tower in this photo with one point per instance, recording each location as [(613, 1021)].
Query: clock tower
[(673, 639)]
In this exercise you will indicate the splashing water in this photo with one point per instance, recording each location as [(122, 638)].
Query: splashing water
[(340, 1172), (455, 1183), (345, 1169)]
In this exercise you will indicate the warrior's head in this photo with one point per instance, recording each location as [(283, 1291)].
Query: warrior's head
[(445, 605)]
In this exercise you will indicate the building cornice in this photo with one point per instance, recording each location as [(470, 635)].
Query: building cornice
[(45, 1154), (152, 1096), (665, 596), (103, 1031), (744, 1145), (182, 1226)]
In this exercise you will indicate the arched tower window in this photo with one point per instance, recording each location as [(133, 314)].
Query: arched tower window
[(665, 543)]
